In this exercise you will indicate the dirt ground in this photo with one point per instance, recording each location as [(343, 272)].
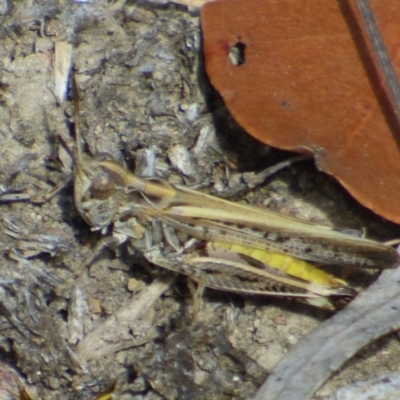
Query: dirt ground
[(68, 332)]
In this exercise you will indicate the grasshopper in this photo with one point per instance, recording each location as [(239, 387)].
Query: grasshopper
[(218, 243)]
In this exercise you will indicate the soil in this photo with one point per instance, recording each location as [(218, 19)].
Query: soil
[(72, 332)]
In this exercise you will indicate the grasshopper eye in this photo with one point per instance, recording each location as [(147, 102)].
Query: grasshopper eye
[(103, 185)]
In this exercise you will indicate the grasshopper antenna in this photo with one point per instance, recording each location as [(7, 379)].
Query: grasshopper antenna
[(77, 133)]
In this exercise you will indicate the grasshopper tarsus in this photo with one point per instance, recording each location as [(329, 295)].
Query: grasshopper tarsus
[(197, 294)]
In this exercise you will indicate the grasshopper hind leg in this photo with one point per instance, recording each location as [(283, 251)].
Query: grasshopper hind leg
[(228, 272)]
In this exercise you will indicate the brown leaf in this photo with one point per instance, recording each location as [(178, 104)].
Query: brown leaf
[(300, 75)]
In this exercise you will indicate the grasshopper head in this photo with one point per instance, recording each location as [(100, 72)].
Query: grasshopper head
[(98, 190)]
